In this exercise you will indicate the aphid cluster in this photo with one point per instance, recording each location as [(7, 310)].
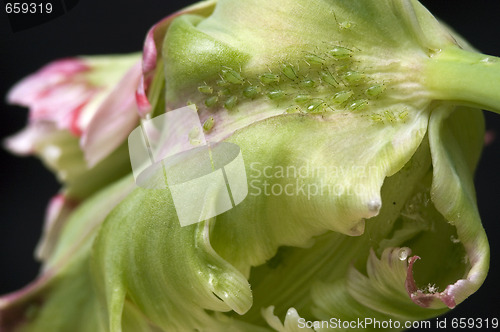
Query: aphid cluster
[(390, 117), (320, 82)]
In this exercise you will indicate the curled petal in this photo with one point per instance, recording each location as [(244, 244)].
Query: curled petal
[(421, 298)]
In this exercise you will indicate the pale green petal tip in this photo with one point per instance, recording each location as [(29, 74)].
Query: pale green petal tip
[(292, 323)]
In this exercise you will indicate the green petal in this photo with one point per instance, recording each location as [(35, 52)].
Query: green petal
[(317, 179), (188, 275), (453, 191)]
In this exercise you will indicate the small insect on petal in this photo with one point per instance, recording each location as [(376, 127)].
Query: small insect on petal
[(302, 99), (194, 132), (208, 124), (317, 107), (403, 115), (289, 71), (313, 59), (205, 89), (231, 102), (232, 76), (224, 92), (211, 101), (193, 136), (346, 25), (340, 53), (275, 94), (222, 83), (353, 76), (358, 105), (293, 109), (375, 90), (307, 84), (192, 105), (251, 91), (327, 77), (269, 78), (342, 96), (389, 116), (377, 118)]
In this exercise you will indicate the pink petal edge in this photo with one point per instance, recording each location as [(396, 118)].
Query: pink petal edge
[(424, 299), (26, 91), (152, 50)]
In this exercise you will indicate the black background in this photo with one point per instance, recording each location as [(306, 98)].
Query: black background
[(119, 26)]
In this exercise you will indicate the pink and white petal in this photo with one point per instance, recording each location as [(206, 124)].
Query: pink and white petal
[(24, 142), (28, 90), (62, 104), (152, 49), (113, 121)]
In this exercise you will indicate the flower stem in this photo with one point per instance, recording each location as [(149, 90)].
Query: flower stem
[(470, 78)]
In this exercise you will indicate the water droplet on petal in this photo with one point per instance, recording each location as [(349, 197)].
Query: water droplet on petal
[(403, 253)]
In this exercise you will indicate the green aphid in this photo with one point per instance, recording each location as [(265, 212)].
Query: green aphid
[(208, 124), (193, 133), (403, 115), (327, 77), (232, 76), (346, 25), (375, 90), (358, 105), (275, 94), (269, 78), (231, 102), (289, 71), (224, 92), (192, 105), (302, 99), (307, 84), (317, 107), (340, 53), (211, 101), (353, 76), (389, 116), (377, 118), (222, 83), (206, 89), (293, 109), (342, 96), (313, 59), (251, 91)]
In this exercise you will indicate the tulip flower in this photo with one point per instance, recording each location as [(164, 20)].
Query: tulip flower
[(360, 125), (81, 111)]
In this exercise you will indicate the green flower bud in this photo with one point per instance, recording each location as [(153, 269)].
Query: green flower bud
[(351, 178)]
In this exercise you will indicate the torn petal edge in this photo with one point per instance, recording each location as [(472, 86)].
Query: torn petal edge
[(422, 299)]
